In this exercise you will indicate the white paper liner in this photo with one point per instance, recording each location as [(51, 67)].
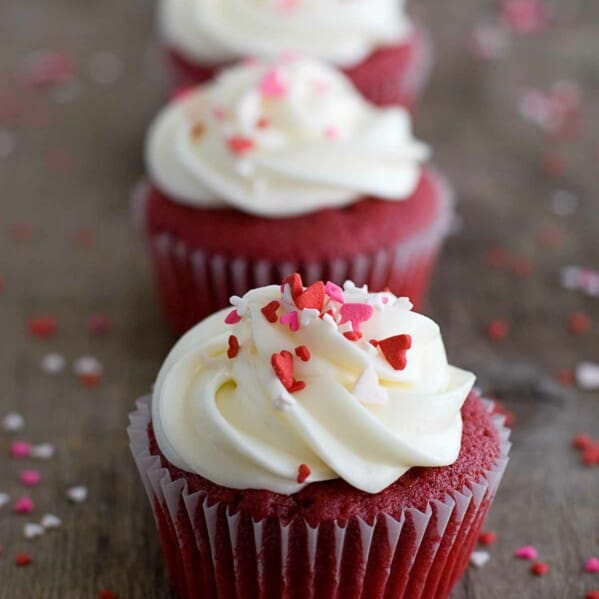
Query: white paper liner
[(193, 284), (212, 553)]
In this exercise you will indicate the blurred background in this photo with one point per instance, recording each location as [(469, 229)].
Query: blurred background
[(512, 114)]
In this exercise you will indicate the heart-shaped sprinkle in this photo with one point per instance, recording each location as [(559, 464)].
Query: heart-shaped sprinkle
[(539, 568), (270, 311), (30, 478), (312, 298), (356, 314), (353, 335), (51, 521), (592, 565), (282, 364), (20, 449), (24, 505), (291, 319), (23, 559), (32, 531), (295, 283), (303, 353), (233, 349), (77, 494), (395, 349), (367, 389), (240, 145), (526, 552), (303, 472), (479, 558), (232, 317), (334, 292), (272, 85)]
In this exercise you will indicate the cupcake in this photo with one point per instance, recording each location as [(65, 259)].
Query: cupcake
[(314, 442), (373, 41), (281, 167)]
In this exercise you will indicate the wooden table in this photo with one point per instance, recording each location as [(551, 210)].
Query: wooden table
[(492, 155)]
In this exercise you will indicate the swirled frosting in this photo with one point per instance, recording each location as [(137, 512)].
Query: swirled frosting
[(340, 31), (282, 139), (295, 385)]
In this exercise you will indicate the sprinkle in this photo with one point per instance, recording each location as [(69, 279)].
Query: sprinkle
[(582, 441), (50, 521), (233, 317), (587, 376), (20, 449), (579, 323), (272, 85), (479, 558), (233, 347), (331, 133), (42, 327), (356, 314), (395, 349), (291, 319), (87, 366), (334, 292), (52, 363), (353, 335), (590, 456), (282, 364), (592, 595), (498, 330), (303, 472), (13, 423), (240, 145), (270, 311), (524, 16), (308, 315), (4, 499), (295, 284), (30, 478), (566, 377), (32, 531), (23, 559), (98, 324), (24, 505), (487, 538), (45, 451), (106, 594), (77, 494), (368, 390), (303, 353), (539, 568), (592, 565), (312, 298), (526, 552)]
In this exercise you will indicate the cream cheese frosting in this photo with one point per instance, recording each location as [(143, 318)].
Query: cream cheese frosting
[(340, 31), (281, 139), (294, 386)]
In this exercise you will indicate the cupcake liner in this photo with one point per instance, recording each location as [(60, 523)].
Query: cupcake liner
[(211, 552), (193, 284)]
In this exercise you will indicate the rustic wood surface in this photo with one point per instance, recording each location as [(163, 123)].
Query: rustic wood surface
[(491, 154)]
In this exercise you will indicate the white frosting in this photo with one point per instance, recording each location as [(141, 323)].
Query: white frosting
[(340, 31), (282, 139), (233, 421)]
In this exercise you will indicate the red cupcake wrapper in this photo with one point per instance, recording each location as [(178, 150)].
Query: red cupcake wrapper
[(395, 75), (212, 553), (193, 284)]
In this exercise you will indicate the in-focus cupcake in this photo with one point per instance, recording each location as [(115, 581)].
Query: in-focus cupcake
[(283, 167), (373, 41), (314, 442)]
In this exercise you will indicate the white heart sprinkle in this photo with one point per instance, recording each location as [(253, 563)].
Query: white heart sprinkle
[(77, 494), (587, 376), (45, 451), (367, 388), (13, 423), (479, 558), (87, 365), (32, 531), (51, 521), (52, 363), (4, 499)]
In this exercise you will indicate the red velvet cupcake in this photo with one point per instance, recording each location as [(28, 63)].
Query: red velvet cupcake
[(282, 167), (373, 41), (314, 442)]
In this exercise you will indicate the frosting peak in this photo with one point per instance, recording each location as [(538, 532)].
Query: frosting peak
[(280, 139), (296, 385)]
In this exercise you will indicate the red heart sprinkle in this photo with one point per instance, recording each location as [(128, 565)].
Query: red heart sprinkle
[(23, 559), (282, 364), (582, 441), (395, 348), (233, 347), (592, 595), (240, 145), (105, 594), (539, 568), (270, 311), (312, 297), (303, 472), (353, 335), (487, 538), (303, 353), (42, 327), (295, 282)]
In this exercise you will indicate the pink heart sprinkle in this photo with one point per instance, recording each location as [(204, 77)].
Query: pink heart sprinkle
[(356, 314), (334, 292), (232, 317), (272, 86), (24, 505), (331, 133), (20, 449), (592, 565), (526, 552), (292, 320), (30, 478)]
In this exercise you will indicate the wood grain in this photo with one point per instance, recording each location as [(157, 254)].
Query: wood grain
[(492, 156)]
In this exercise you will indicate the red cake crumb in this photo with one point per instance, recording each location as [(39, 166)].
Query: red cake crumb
[(337, 500)]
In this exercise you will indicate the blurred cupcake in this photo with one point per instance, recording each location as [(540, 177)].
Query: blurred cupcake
[(283, 167), (314, 442), (373, 41)]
